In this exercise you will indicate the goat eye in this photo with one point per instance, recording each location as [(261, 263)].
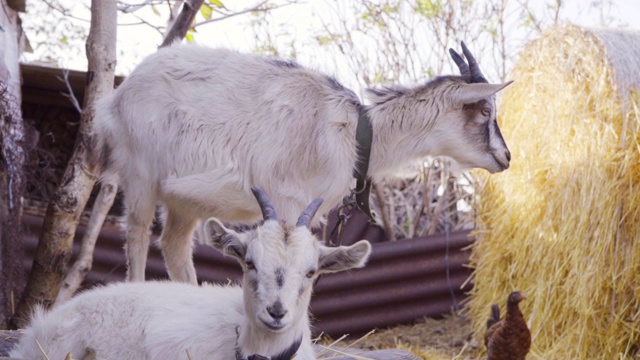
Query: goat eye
[(250, 264), (486, 112), (311, 273)]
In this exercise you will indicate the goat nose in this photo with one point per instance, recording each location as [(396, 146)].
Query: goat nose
[(508, 155), (276, 311)]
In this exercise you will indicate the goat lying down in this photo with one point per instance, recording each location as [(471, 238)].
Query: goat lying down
[(195, 128), (168, 320)]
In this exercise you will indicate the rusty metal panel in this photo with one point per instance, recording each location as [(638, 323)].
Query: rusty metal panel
[(403, 281)]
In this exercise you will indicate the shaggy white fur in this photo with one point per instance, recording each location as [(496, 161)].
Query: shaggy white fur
[(195, 128), (168, 320)]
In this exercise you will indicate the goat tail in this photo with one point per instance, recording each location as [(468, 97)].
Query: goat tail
[(100, 154), (99, 149)]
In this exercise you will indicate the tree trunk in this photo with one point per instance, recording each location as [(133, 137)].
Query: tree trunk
[(12, 160), (73, 279), (62, 216), (183, 22)]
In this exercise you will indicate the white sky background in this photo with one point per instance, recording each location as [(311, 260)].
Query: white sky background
[(295, 23)]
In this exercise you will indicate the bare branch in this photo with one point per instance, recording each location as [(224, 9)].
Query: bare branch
[(556, 11), (534, 21), (426, 174), (129, 9), (64, 11), (84, 262), (70, 95), (159, 29), (384, 212), (256, 8)]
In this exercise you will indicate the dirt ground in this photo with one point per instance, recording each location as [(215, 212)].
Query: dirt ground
[(431, 339)]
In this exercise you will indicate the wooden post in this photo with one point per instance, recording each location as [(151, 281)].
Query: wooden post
[(12, 161)]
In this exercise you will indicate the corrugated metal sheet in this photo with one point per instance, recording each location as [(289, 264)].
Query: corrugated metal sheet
[(403, 281)]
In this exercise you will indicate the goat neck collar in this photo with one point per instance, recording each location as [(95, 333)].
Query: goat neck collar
[(287, 354), (364, 136)]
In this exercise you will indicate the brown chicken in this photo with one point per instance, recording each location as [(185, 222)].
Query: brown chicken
[(509, 338)]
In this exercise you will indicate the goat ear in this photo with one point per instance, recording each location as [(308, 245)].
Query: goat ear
[(472, 93), (224, 240), (344, 257)]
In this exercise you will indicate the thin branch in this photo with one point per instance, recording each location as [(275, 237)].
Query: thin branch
[(556, 10), (534, 21), (157, 28), (427, 174), (129, 9), (63, 11), (84, 262), (70, 95), (257, 8), (386, 222), (440, 205)]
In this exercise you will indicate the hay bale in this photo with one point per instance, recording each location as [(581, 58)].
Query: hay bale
[(563, 223)]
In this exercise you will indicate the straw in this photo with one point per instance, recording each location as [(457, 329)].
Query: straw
[(563, 223)]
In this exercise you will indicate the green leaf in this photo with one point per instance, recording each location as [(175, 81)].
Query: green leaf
[(189, 37), (206, 11), (64, 40), (217, 3), (378, 77), (429, 8), (323, 39), (391, 9), (431, 73), (155, 10)]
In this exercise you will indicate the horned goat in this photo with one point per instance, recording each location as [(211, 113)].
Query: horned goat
[(268, 316), (195, 128)]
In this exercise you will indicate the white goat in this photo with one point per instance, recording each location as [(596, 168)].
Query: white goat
[(165, 320), (195, 128)]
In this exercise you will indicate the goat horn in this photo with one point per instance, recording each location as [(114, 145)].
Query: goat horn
[(464, 68), (309, 213), (268, 211), (474, 69)]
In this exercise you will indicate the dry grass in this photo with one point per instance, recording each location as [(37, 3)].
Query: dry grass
[(432, 339), (426, 200), (563, 224)]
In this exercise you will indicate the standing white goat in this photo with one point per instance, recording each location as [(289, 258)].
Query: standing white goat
[(195, 128), (167, 320)]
